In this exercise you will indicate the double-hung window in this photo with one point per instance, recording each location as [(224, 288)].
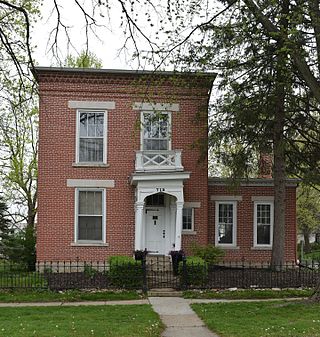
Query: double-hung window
[(156, 131), (226, 221), (90, 216), (91, 137), (263, 223), (188, 219)]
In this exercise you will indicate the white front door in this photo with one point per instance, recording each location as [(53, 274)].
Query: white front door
[(155, 231)]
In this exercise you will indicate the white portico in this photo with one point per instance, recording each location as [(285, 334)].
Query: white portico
[(158, 177), (158, 211)]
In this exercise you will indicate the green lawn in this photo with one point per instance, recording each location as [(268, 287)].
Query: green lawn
[(98, 321), (315, 255), (66, 296), (248, 293), (261, 319)]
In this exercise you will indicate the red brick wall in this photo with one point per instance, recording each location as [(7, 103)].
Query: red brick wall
[(55, 230), (245, 213)]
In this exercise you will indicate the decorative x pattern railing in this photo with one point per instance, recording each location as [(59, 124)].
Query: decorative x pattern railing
[(158, 160)]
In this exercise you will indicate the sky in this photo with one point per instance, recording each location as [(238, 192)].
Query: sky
[(105, 49)]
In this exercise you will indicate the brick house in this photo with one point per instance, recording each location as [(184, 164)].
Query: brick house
[(123, 167)]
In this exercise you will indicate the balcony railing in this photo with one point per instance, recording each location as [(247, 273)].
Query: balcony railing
[(158, 161)]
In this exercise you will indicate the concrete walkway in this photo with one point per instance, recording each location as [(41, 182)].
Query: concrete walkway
[(72, 304), (180, 319)]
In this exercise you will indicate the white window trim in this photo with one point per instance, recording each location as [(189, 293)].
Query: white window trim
[(89, 105), (76, 213), (262, 202), (234, 231), (142, 126), (192, 220), (105, 129)]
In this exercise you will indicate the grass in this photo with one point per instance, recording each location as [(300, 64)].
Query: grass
[(248, 294), (22, 280), (84, 321), (261, 319), (66, 296), (315, 255)]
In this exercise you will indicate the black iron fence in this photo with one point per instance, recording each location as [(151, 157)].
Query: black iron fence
[(146, 275)]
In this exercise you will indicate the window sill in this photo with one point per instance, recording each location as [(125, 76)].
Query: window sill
[(228, 247), (261, 248), (90, 165), (89, 244), (185, 232)]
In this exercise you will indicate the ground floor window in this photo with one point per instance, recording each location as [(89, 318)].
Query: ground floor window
[(188, 219), (226, 223), (263, 223), (90, 215)]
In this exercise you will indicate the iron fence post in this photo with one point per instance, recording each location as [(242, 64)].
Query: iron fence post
[(144, 275), (184, 282)]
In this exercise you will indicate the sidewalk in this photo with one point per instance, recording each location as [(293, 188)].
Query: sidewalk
[(72, 304), (142, 301), (180, 319)]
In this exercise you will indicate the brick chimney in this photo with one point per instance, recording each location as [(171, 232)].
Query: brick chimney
[(265, 165)]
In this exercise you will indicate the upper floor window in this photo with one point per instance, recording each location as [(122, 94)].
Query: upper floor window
[(226, 223), (156, 131), (91, 137), (263, 223)]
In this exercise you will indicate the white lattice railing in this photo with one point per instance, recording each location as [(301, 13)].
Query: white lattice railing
[(158, 160)]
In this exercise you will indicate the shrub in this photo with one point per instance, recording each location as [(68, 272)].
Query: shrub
[(208, 253), (89, 270), (196, 272), (125, 272)]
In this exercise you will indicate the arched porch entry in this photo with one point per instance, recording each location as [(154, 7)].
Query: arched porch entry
[(158, 214)]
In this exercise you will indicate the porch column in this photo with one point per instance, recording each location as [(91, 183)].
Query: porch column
[(178, 225), (138, 225)]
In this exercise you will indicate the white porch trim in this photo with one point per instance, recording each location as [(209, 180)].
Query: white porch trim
[(178, 225), (169, 184)]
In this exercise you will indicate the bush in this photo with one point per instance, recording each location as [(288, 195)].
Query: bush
[(315, 246), (196, 273), (125, 272), (208, 253), (19, 247)]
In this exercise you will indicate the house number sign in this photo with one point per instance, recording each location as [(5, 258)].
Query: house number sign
[(160, 189)]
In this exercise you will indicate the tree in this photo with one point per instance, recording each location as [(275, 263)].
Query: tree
[(4, 221), (83, 60), (18, 162), (308, 213)]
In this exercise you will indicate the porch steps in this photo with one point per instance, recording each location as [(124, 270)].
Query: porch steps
[(160, 275), (164, 292)]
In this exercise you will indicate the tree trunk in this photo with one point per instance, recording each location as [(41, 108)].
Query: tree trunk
[(278, 248), (306, 236), (315, 297)]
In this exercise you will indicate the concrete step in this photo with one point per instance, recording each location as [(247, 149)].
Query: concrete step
[(158, 258), (160, 269), (164, 292)]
